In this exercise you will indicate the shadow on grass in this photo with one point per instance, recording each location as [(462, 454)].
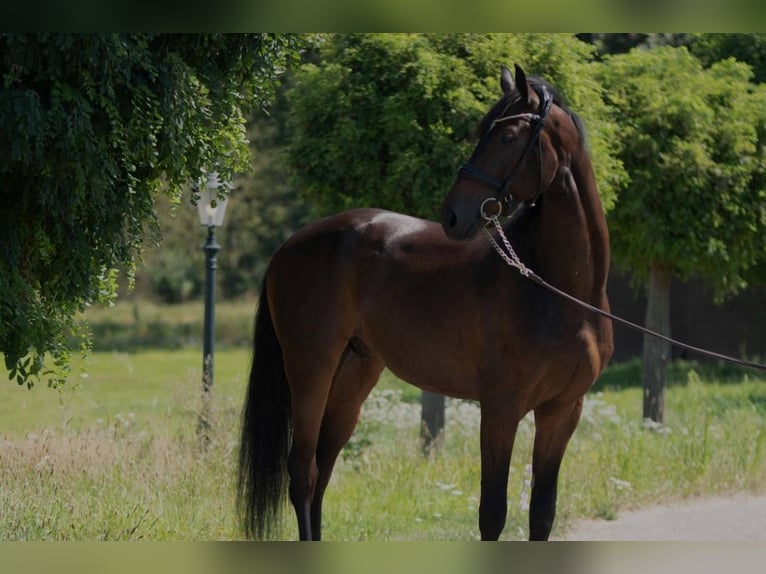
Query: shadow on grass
[(628, 374)]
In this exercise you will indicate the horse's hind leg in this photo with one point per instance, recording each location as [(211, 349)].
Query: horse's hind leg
[(554, 427), (310, 374), (355, 378)]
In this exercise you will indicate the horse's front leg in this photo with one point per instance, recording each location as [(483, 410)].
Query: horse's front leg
[(554, 427), (498, 432)]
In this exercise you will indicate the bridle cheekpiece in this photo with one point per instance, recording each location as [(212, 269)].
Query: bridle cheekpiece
[(500, 186)]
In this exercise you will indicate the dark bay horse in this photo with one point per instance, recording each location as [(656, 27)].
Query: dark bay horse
[(366, 289)]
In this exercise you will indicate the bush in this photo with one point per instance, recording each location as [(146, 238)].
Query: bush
[(174, 277)]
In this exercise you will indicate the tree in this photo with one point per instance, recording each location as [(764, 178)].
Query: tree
[(749, 48), (263, 212), (692, 141), (708, 48), (268, 208), (609, 43), (385, 120), (94, 128)]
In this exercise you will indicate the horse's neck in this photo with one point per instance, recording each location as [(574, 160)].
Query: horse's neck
[(573, 244)]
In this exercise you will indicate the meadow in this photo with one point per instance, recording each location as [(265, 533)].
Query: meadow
[(115, 454)]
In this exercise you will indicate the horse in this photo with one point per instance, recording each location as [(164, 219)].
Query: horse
[(368, 289)]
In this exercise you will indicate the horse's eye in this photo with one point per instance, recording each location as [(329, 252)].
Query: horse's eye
[(507, 137)]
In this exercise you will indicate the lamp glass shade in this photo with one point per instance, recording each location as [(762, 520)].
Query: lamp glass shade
[(210, 206)]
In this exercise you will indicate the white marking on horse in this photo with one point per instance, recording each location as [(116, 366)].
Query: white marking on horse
[(400, 226)]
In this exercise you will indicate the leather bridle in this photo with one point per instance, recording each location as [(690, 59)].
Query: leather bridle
[(500, 186)]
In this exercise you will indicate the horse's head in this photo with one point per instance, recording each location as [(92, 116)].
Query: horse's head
[(509, 162)]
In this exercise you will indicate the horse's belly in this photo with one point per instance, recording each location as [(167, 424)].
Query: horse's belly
[(428, 360), (459, 388)]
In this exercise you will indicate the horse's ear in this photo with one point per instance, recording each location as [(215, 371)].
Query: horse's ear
[(521, 83), (506, 80)]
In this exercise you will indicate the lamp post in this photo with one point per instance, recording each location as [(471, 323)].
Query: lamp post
[(211, 210)]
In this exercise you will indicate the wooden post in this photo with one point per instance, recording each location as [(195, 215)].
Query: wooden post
[(432, 421)]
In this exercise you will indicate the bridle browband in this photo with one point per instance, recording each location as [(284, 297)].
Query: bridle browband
[(500, 186)]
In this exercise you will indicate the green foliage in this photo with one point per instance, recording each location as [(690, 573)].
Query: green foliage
[(692, 140), (610, 43), (94, 128), (749, 48), (385, 119), (174, 277), (265, 208), (268, 205)]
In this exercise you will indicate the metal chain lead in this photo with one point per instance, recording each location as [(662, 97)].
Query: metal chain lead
[(509, 254), (513, 260)]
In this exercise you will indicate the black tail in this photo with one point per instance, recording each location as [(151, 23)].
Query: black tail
[(266, 432)]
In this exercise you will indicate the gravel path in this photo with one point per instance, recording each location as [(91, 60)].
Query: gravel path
[(739, 517)]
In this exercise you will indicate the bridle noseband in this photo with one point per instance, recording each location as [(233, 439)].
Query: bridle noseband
[(500, 186)]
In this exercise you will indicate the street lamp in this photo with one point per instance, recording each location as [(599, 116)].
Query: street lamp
[(211, 207)]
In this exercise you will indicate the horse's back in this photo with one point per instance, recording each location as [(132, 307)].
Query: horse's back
[(361, 234), (320, 267), (315, 254), (358, 223)]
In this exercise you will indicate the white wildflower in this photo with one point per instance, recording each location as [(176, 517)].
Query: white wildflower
[(656, 427), (44, 463), (620, 484)]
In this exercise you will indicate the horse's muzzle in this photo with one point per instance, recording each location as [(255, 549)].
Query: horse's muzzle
[(458, 225)]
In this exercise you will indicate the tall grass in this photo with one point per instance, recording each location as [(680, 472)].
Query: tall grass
[(115, 455)]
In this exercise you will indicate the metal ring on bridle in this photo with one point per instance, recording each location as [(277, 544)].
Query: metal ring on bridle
[(487, 217)]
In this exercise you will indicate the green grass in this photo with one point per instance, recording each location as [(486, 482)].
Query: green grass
[(139, 324), (115, 455)]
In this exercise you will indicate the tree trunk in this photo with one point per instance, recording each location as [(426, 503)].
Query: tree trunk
[(656, 354), (432, 420)]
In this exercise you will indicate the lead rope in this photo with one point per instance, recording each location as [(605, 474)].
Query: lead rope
[(509, 256)]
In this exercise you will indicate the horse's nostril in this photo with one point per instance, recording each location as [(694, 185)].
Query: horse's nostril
[(452, 220)]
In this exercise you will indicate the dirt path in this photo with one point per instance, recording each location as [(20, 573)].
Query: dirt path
[(738, 517)]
